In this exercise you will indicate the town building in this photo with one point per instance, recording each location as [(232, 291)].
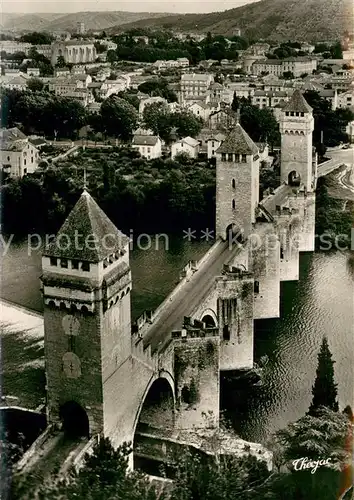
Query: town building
[(18, 155), (195, 85), (268, 99), (222, 119), (200, 110), (34, 72), (149, 146), (295, 65), (74, 51), (12, 47), (187, 145), (44, 50), (16, 82), (213, 144), (61, 72), (346, 100)]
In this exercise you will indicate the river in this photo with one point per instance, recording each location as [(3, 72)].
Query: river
[(320, 303)]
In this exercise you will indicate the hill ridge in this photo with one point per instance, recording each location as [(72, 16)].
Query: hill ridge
[(278, 20)]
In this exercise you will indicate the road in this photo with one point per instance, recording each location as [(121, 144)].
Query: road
[(338, 157), (188, 298)]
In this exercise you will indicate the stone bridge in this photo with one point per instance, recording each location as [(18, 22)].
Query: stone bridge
[(107, 376)]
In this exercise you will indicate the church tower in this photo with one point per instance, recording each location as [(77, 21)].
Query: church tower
[(296, 127), (237, 183), (87, 321)]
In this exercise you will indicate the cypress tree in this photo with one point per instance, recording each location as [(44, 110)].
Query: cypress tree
[(324, 390)]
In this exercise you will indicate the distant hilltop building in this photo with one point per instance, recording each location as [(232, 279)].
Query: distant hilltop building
[(80, 28), (237, 32)]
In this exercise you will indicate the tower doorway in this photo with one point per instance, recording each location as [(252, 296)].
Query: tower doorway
[(74, 419), (294, 179)]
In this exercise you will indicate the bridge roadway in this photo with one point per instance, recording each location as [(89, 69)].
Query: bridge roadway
[(185, 301), (338, 157)]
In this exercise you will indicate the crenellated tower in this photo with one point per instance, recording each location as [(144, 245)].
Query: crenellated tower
[(87, 319), (296, 127), (237, 183)]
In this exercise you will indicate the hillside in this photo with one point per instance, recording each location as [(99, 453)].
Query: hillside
[(67, 22), (278, 20)]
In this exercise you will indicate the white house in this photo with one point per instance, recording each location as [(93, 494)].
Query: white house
[(213, 143), (18, 155), (149, 146), (200, 110), (187, 145)]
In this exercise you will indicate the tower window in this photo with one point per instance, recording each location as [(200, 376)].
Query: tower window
[(233, 183), (53, 261), (256, 287), (233, 204), (281, 253), (226, 332), (64, 263), (229, 157), (223, 156), (71, 342), (85, 266), (287, 113), (75, 264), (302, 114), (244, 158)]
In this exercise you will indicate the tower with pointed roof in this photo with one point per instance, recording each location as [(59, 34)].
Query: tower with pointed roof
[(86, 285), (296, 127), (237, 183)]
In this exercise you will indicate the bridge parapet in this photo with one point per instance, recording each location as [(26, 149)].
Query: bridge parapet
[(194, 333), (143, 353)]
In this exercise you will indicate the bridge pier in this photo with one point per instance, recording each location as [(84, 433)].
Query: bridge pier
[(235, 313), (197, 377)]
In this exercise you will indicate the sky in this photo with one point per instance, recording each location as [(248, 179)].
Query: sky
[(65, 6)]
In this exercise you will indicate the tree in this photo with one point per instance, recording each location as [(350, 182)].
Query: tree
[(336, 51), (60, 62), (37, 38), (320, 437), (35, 84), (324, 390), (131, 97), (158, 118), (158, 87), (119, 117), (186, 124), (104, 475)]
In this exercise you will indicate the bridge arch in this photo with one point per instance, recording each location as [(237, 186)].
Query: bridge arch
[(74, 419), (156, 409), (209, 318), (162, 384)]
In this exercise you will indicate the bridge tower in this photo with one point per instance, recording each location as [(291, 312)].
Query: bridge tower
[(237, 183), (296, 127), (87, 321)]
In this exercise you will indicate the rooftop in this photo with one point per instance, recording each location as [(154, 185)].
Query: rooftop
[(238, 141), (298, 103), (145, 140), (87, 234)]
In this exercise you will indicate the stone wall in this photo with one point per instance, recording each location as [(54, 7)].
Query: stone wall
[(197, 378), (235, 313), (264, 264)]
